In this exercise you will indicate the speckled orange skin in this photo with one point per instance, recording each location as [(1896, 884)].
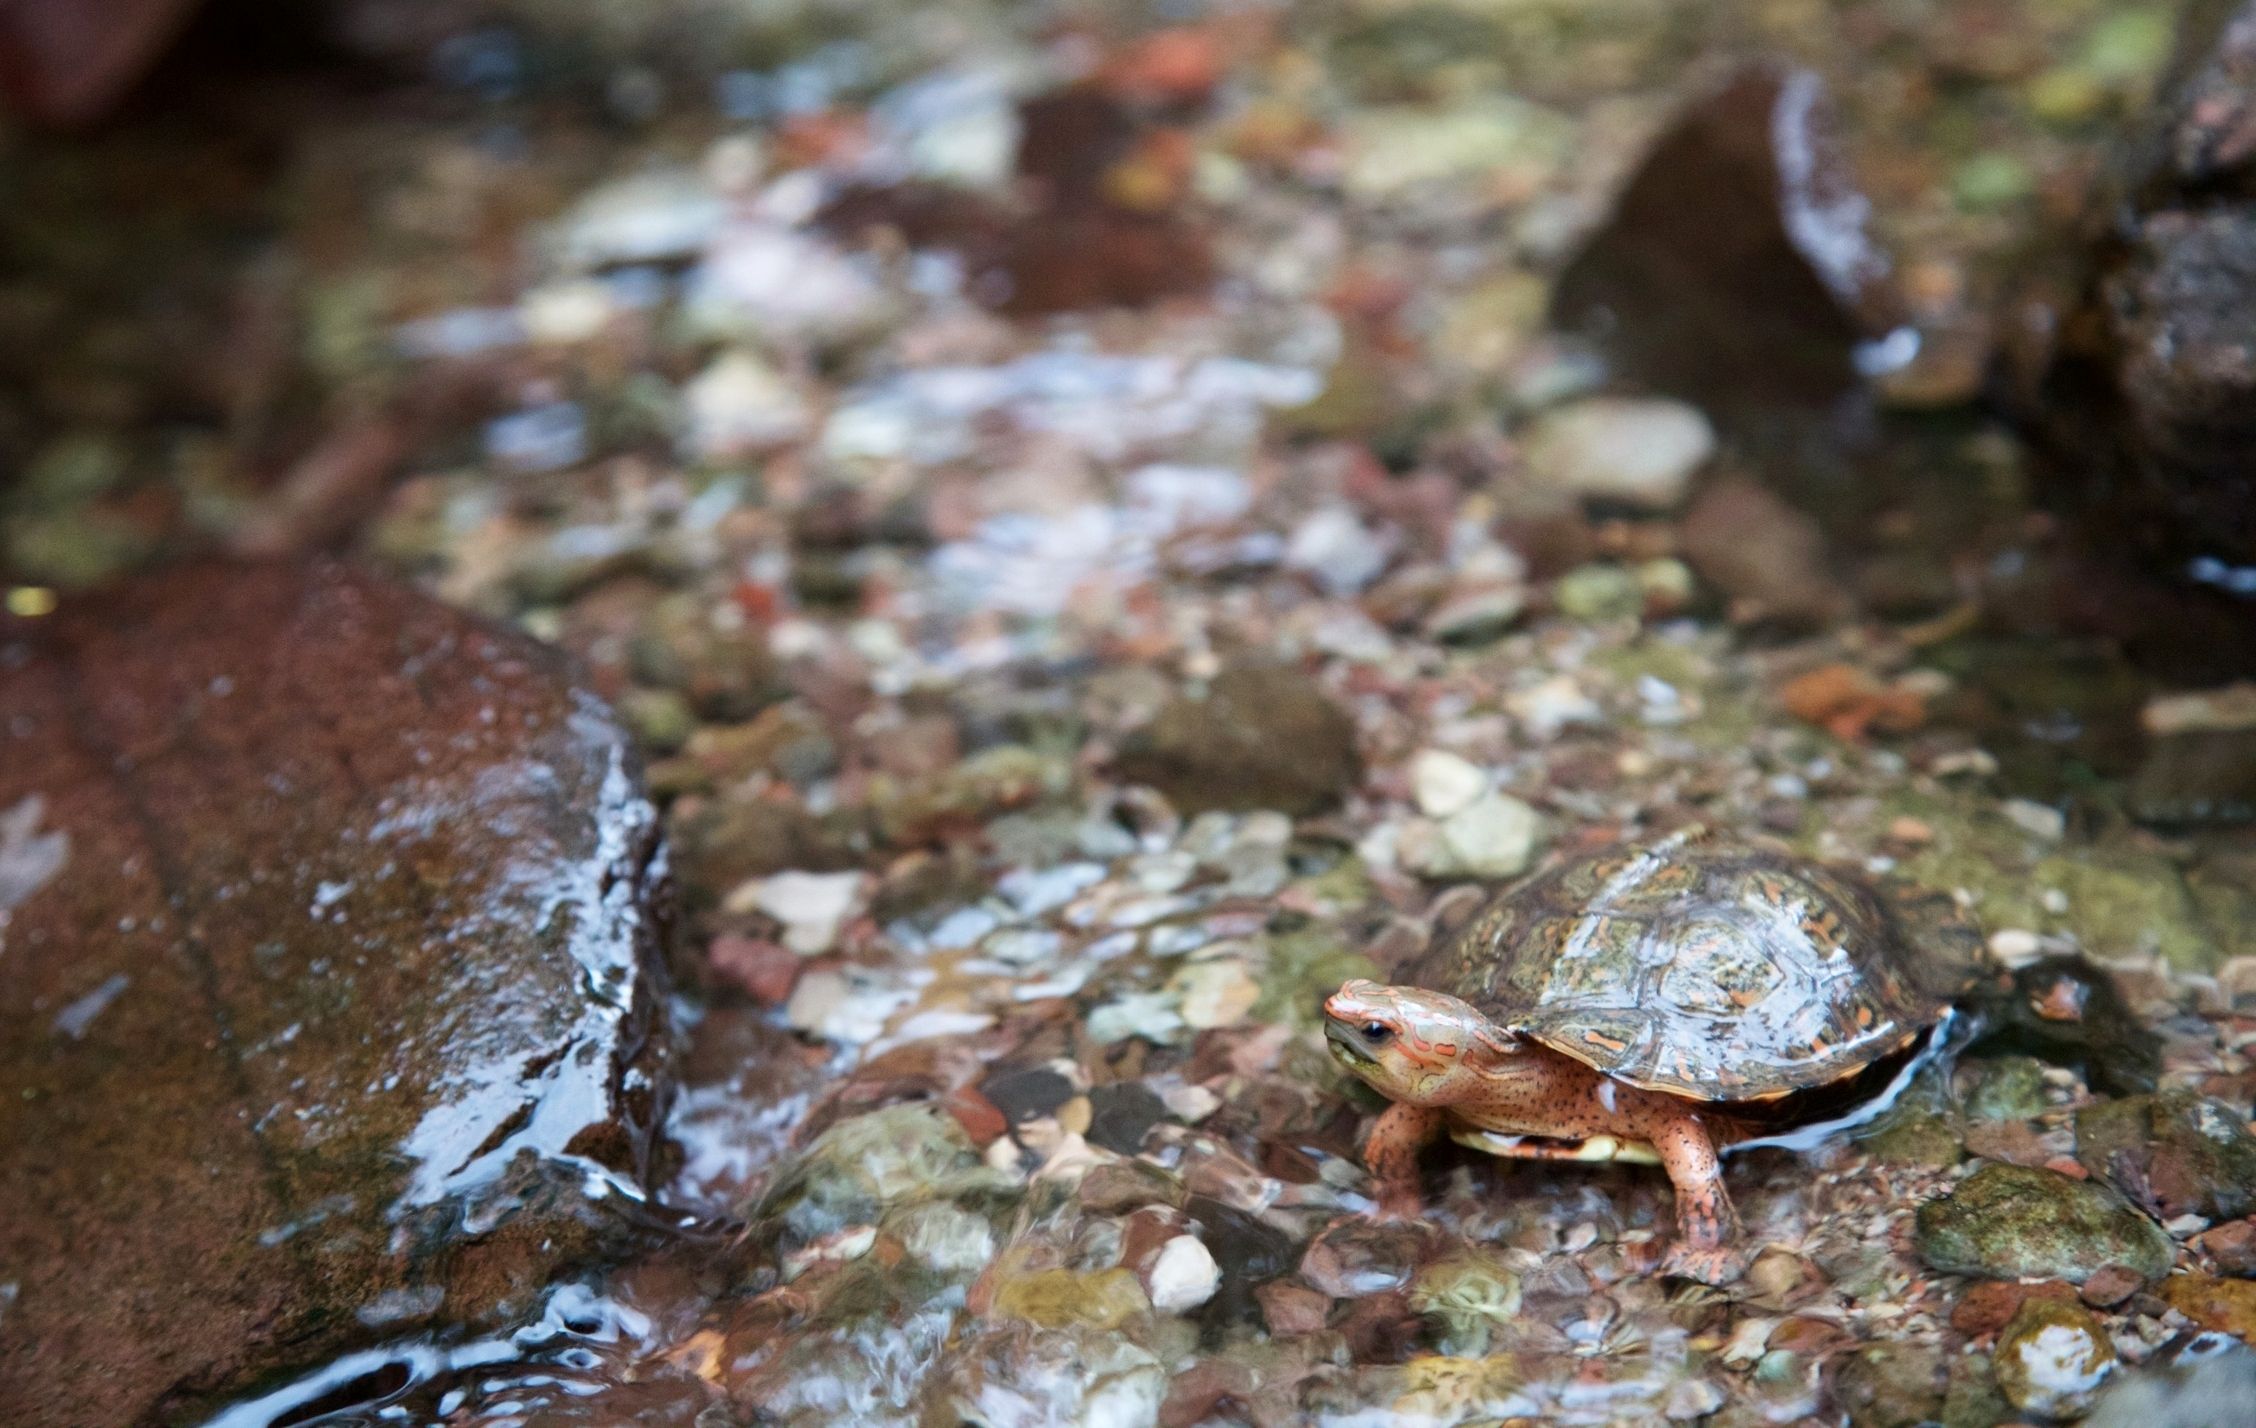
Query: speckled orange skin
[(1442, 1062)]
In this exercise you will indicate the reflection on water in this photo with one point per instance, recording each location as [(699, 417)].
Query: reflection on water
[(569, 1352)]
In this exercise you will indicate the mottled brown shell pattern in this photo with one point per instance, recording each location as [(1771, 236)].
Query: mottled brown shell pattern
[(1710, 967)]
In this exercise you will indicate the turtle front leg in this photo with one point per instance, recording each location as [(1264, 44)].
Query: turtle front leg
[(1706, 1224), (1391, 1154)]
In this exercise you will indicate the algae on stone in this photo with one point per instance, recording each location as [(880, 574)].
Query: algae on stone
[(2051, 1358), (1304, 966), (2124, 902), (1917, 1135), (859, 1168), (2115, 898), (1972, 1400), (1470, 1295), (2014, 1221), (1058, 1298), (1920, 1129), (2225, 1305), (2006, 1088)]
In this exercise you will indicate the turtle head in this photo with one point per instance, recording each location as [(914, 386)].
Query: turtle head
[(1409, 1044)]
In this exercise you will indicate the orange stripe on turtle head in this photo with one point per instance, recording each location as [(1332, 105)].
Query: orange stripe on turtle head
[(1423, 1050)]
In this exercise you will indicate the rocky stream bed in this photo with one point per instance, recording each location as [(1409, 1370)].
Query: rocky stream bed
[(695, 700)]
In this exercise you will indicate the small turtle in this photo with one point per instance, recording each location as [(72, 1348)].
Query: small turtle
[(1655, 1003)]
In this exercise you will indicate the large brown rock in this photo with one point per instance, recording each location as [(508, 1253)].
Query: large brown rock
[(326, 982), (2145, 398), (1735, 270)]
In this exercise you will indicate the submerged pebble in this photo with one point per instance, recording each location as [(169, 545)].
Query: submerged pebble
[(2052, 1359), (1261, 737)]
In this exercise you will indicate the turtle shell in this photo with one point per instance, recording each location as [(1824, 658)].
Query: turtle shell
[(1710, 967)]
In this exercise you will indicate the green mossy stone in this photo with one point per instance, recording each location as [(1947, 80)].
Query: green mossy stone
[(2013, 1221), (1920, 1137), (1059, 1298), (1920, 1129), (2006, 1088), (1598, 592), (1303, 967)]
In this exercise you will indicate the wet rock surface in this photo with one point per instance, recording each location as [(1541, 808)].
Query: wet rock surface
[(1766, 556), (1891, 1385), (69, 66), (2068, 1012), (328, 1010), (2226, 1306)]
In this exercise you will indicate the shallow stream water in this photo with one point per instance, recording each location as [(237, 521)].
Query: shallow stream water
[(1210, 340)]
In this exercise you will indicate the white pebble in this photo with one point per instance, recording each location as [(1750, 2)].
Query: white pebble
[(811, 906), (1553, 705), (1184, 1276), (2015, 947), (1216, 993), (1493, 837), (740, 404), (1634, 451), (1444, 783), (1190, 1104), (2038, 820), (649, 218), (2062, 1366), (573, 310), (1336, 550)]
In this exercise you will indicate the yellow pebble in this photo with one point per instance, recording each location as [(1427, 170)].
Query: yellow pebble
[(31, 601)]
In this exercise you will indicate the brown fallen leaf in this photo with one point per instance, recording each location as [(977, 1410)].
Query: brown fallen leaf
[(2226, 1305), (1850, 704)]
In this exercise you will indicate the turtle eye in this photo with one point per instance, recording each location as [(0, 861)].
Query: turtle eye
[(1378, 1033)]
